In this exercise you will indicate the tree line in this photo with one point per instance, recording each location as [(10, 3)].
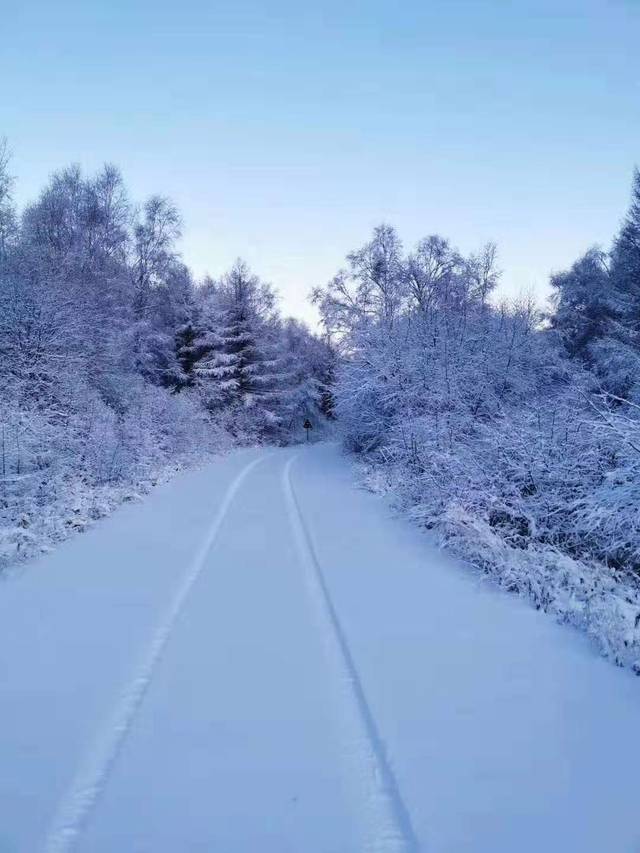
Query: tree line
[(115, 362), (512, 433)]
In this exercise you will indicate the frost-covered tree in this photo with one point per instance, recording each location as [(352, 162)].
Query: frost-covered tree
[(154, 251), (371, 290), (309, 365), (378, 271), (597, 308), (431, 270), (482, 273), (585, 303), (242, 372), (625, 266), (593, 323), (162, 298), (8, 224), (72, 255)]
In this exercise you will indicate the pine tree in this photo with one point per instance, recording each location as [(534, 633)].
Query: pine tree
[(625, 267), (188, 352), (242, 372), (225, 373), (597, 306), (584, 302)]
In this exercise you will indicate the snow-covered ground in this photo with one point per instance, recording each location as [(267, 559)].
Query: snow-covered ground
[(260, 658)]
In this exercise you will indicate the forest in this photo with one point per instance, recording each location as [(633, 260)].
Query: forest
[(509, 430), (117, 368)]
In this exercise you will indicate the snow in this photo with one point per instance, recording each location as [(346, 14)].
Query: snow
[(505, 730), (386, 822), (259, 656)]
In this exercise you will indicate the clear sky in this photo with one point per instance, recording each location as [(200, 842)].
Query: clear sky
[(285, 131)]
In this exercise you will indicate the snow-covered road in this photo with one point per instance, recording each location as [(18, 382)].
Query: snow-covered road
[(258, 657)]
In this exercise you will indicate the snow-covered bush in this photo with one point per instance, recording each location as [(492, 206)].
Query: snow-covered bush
[(59, 474)]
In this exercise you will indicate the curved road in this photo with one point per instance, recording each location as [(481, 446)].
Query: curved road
[(258, 657)]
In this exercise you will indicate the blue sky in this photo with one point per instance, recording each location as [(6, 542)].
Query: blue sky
[(285, 131)]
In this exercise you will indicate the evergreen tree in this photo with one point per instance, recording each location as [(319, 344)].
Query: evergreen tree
[(188, 351), (584, 302), (597, 307), (242, 371), (625, 267)]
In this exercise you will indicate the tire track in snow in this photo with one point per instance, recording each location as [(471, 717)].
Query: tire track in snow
[(89, 782), (387, 824)]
